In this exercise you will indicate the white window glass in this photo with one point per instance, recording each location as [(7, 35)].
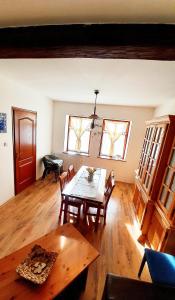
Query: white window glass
[(78, 134), (114, 139)]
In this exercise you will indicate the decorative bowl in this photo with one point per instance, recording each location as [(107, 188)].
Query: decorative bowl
[(37, 265), (91, 171)]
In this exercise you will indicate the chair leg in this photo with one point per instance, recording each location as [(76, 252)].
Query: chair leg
[(142, 265), (61, 210), (56, 176), (85, 210), (65, 210), (44, 174), (78, 216), (84, 207), (97, 218), (105, 217)]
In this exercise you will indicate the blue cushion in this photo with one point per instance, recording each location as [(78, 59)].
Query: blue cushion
[(161, 267)]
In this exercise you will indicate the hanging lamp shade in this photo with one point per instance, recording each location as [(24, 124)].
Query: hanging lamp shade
[(94, 116)]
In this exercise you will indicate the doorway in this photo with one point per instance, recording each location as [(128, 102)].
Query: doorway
[(24, 137)]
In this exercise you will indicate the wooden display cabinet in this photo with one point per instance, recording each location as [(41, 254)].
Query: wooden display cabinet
[(155, 182), (161, 231), (139, 204), (160, 235)]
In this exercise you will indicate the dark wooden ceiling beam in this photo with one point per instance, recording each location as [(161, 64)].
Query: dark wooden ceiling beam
[(130, 41)]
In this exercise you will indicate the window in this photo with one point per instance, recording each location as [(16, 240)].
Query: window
[(78, 135), (114, 139)]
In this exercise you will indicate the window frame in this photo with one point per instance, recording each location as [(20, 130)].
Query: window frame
[(67, 137), (125, 142)]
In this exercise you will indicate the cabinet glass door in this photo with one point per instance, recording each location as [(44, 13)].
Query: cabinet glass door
[(145, 150), (167, 192), (152, 157)]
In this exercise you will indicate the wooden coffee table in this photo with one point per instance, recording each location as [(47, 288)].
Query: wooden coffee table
[(75, 254)]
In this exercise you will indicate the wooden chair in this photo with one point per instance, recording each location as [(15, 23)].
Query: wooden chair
[(111, 175), (71, 172), (71, 202), (90, 207)]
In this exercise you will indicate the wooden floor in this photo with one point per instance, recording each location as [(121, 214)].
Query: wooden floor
[(34, 212)]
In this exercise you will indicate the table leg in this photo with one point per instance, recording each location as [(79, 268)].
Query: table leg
[(97, 218), (75, 289), (83, 279), (65, 209)]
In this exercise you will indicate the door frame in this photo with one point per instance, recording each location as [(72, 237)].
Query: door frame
[(13, 108)]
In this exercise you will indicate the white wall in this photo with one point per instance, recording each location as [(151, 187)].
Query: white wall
[(124, 170), (165, 109), (13, 94)]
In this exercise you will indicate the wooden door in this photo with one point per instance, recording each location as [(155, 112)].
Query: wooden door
[(24, 125)]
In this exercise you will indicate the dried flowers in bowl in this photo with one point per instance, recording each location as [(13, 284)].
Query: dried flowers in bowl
[(37, 265), (91, 172)]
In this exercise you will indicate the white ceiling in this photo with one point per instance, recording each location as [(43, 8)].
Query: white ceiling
[(121, 82), (34, 12)]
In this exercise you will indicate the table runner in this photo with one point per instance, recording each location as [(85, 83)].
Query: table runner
[(84, 188)]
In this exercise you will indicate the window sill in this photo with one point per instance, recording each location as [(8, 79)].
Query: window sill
[(75, 153), (111, 158)]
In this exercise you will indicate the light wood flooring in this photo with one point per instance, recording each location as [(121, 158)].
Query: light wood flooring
[(34, 212)]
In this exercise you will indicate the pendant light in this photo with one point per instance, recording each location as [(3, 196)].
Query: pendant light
[(94, 116)]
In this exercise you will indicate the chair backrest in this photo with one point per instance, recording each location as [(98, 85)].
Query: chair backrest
[(71, 172), (111, 175), (109, 189), (47, 163), (63, 180)]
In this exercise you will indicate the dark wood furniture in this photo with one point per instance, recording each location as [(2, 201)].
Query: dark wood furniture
[(71, 172), (80, 188), (154, 196), (52, 163), (121, 288), (111, 175), (68, 205), (75, 254), (91, 208), (125, 41)]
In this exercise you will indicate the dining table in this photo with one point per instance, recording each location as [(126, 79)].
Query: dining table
[(80, 187), (69, 272)]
